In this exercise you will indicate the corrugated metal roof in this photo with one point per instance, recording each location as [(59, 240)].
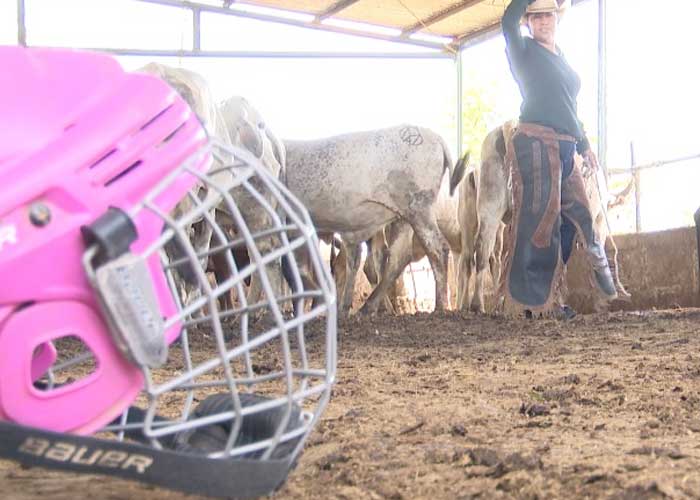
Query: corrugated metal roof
[(443, 25), (456, 20)]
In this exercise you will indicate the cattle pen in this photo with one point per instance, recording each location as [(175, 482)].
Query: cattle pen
[(444, 405)]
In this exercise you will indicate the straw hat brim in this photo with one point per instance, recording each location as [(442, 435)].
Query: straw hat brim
[(560, 11)]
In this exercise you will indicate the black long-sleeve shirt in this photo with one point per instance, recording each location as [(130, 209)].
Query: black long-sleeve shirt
[(548, 85)]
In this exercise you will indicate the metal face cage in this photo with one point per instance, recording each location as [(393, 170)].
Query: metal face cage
[(236, 365)]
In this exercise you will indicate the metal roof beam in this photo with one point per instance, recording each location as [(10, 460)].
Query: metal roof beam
[(475, 37), (21, 23), (241, 54), (185, 4), (334, 9), (439, 16)]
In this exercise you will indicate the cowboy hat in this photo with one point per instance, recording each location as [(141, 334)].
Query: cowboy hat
[(540, 6)]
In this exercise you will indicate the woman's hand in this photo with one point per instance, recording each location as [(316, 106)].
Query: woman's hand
[(590, 157)]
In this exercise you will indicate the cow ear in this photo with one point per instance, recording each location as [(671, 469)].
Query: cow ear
[(251, 138), (188, 96), (501, 144)]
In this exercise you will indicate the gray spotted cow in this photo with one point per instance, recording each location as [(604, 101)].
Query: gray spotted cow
[(355, 184)]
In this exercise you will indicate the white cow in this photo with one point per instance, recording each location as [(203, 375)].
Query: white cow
[(248, 129), (355, 184), (194, 89), (235, 121), (495, 207)]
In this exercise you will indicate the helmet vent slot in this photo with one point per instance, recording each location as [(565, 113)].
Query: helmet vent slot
[(145, 125), (170, 136), (123, 173), (102, 158)]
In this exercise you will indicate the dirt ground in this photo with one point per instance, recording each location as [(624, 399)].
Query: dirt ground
[(451, 406)]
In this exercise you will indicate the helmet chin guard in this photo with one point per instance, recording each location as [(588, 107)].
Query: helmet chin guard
[(129, 239)]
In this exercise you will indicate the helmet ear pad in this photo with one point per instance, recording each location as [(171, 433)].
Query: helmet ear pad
[(82, 406)]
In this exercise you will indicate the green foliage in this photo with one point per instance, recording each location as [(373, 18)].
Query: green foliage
[(476, 106), (481, 110)]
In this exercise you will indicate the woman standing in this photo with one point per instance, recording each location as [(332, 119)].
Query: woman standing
[(550, 202)]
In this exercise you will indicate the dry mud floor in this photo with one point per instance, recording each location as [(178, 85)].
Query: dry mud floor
[(451, 406)]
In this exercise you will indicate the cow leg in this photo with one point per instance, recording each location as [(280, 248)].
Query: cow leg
[(336, 262), (372, 264), (340, 270), (353, 255), (258, 219), (191, 289), (465, 269), (201, 240), (305, 281), (496, 258), (377, 255), (221, 274), (272, 270), (489, 228), (399, 256), (438, 251), (465, 266), (492, 209), (396, 290), (333, 254), (395, 266), (218, 263)]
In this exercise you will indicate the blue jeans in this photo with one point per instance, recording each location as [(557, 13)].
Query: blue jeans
[(568, 230)]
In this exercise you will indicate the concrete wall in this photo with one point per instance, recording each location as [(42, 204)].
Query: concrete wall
[(659, 269)]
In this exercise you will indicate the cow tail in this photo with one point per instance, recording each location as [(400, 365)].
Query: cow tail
[(458, 172)]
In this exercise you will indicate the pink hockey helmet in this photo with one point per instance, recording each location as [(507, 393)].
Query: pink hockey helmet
[(105, 176)]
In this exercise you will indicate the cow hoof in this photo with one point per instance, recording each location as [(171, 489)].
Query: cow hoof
[(442, 307), (624, 297), (368, 311), (477, 309)]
